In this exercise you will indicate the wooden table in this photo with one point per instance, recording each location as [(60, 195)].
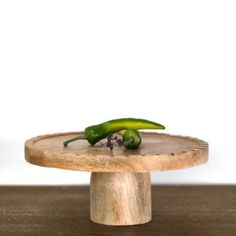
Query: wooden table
[(64, 210)]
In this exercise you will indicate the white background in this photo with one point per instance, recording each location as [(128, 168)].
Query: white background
[(65, 65)]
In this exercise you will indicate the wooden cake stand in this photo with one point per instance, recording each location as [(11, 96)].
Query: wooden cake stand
[(120, 186)]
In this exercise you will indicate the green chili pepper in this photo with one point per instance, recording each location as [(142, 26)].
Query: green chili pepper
[(131, 139), (95, 133)]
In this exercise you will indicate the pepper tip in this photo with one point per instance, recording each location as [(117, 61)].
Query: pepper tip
[(65, 144)]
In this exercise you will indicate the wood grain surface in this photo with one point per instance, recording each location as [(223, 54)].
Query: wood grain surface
[(64, 211), (157, 152), (120, 198)]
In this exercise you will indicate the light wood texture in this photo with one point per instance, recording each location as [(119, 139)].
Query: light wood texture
[(120, 198), (157, 152)]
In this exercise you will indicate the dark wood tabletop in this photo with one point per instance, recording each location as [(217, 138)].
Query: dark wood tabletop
[(64, 210)]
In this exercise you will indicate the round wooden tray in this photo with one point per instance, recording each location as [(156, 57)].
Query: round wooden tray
[(157, 152), (120, 184)]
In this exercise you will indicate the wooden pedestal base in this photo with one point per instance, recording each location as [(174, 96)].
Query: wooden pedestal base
[(120, 192), (120, 198)]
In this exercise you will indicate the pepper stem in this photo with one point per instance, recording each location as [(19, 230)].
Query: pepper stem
[(74, 139)]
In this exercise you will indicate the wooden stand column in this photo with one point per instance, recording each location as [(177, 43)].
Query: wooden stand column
[(120, 198)]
